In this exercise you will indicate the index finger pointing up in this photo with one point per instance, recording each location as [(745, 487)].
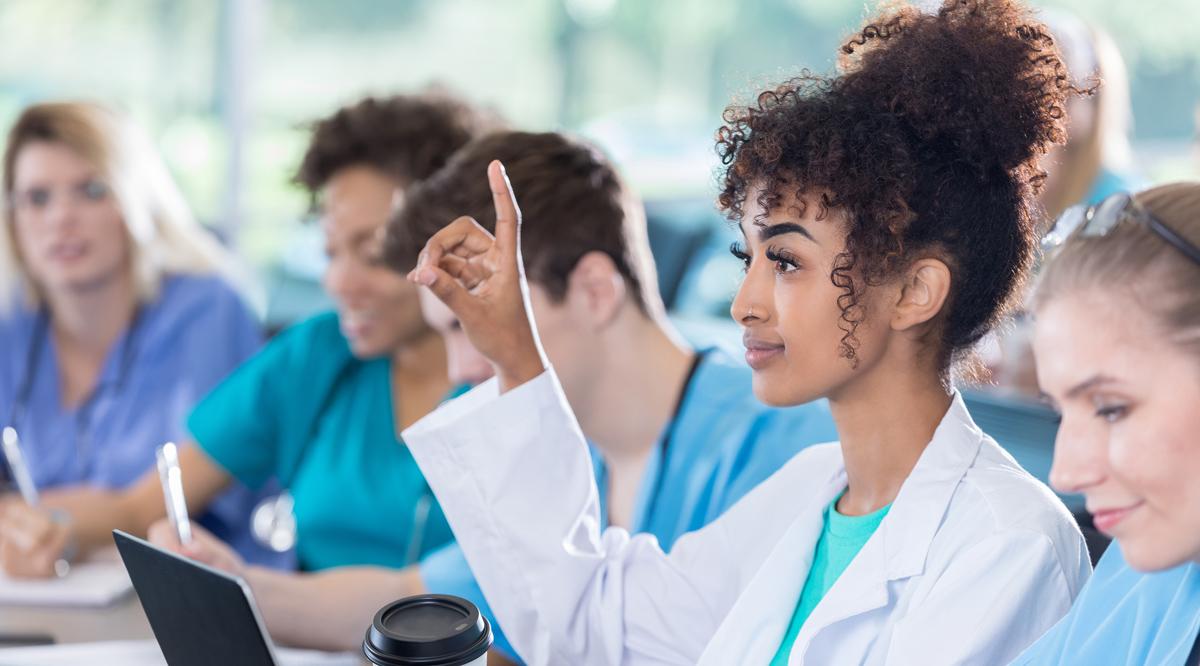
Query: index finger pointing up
[(508, 214)]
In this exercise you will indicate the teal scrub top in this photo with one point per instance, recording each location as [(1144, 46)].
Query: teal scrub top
[(1125, 618), (841, 539), (306, 411), (722, 443)]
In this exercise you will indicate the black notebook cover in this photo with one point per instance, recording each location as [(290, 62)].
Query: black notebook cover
[(200, 616)]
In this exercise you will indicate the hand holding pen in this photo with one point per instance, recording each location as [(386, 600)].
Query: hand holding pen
[(34, 542)]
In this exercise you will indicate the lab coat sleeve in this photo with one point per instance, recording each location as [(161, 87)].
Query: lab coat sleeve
[(994, 600), (514, 478)]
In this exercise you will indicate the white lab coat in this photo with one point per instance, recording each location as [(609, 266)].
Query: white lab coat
[(974, 561)]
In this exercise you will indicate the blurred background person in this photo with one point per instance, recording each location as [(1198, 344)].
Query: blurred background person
[(117, 313), (321, 406), (1095, 162), (1097, 159)]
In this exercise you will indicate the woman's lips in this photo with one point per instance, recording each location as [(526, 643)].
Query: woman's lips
[(355, 327), (1106, 520), (67, 251), (759, 353)]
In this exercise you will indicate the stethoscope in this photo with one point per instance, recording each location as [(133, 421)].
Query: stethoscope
[(273, 524), (273, 521), (664, 446), (84, 414)]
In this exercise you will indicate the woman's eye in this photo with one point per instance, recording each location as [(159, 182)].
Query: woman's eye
[(38, 197), (784, 262), (1112, 413), (740, 254), (94, 190)]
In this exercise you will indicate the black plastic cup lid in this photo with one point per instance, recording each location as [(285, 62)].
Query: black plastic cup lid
[(427, 630)]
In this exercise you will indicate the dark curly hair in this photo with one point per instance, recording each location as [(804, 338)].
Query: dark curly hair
[(928, 142), (408, 137)]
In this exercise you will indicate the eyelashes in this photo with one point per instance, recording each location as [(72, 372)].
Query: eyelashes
[(739, 252), (1113, 413), (783, 260)]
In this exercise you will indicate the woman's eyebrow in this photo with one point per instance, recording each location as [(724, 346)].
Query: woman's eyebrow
[(768, 232), (1093, 382)]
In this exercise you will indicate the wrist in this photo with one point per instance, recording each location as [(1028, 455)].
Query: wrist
[(519, 372)]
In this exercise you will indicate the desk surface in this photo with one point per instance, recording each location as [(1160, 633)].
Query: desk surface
[(123, 620)]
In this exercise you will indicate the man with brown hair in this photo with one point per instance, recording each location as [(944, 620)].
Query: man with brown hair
[(678, 436)]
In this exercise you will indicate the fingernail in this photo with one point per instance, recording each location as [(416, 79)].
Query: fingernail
[(427, 278)]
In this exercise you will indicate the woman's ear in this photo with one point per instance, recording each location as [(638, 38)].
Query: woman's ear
[(922, 295)]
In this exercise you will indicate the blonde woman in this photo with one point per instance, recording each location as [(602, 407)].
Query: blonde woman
[(1117, 339), (116, 316)]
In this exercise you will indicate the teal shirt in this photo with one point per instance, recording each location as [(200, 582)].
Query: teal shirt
[(306, 411), (841, 539)]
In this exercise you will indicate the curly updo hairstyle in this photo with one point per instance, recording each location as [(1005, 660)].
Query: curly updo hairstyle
[(928, 141)]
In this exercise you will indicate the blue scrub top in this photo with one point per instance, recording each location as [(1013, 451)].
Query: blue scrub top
[(1126, 618), (180, 346), (722, 443), (1109, 182), (308, 412)]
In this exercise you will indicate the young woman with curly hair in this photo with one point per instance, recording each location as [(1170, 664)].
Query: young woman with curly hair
[(887, 221)]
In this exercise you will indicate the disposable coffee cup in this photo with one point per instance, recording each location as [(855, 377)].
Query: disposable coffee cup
[(428, 630)]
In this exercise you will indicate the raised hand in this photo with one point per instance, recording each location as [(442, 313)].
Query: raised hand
[(482, 279)]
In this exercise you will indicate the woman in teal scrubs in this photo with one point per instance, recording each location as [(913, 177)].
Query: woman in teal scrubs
[(1118, 352), (321, 406)]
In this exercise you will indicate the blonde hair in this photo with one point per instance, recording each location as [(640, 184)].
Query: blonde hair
[(1134, 260), (164, 237)]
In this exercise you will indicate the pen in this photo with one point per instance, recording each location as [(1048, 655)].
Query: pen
[(16, 463), (20, 472), (171, 477)]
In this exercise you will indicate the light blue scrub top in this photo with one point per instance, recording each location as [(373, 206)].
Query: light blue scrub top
[(306, 411), (180, 346), (1126, 618), (1110, 182), (722, 443)]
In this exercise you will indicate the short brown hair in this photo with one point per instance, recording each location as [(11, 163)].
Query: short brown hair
[(1134, 260), (408, 137), (572, 202)]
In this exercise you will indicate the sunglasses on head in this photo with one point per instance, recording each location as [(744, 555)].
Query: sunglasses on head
[(1098, 220)]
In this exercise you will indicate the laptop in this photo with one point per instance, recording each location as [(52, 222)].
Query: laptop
[(200, 616)]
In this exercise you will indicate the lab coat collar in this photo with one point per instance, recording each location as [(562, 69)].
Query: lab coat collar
[(917, 512), (900, 546), (898, 550)]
